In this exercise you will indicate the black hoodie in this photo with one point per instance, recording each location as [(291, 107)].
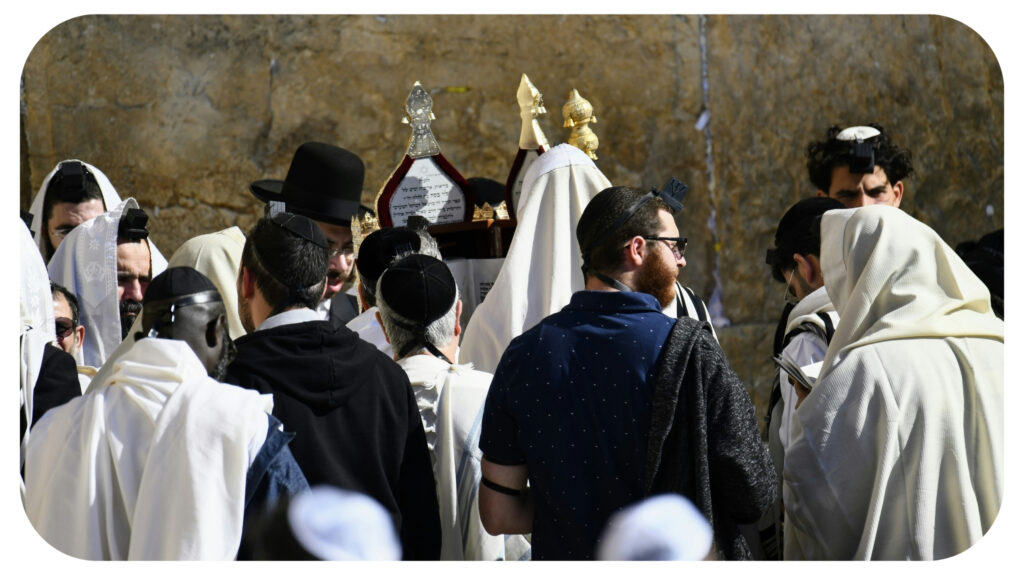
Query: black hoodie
[(355, 419)]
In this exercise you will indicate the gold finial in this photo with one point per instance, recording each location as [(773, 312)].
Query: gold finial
[(361, 229), (531, 107), (501, 211), (418, 107), (578, 113)]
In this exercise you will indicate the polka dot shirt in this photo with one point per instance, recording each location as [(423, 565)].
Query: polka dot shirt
[(571, 399)]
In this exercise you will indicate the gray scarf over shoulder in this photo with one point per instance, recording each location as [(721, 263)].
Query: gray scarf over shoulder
[(704, 442)]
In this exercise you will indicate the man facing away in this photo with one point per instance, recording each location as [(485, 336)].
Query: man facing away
[(376, 252), (351, 406), (808, 330), (419, 311), (897, 451), (609, 400), (161, 461), (325, 184), (859, 166)]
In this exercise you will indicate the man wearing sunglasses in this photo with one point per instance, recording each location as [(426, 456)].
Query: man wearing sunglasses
[(607, 401)]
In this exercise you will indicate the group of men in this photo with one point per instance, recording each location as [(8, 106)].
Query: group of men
[(193, 402)]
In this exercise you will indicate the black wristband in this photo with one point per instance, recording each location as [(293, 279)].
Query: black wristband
[(500, 488)]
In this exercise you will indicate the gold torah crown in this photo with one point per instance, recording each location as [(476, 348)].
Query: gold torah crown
[(578, 113)]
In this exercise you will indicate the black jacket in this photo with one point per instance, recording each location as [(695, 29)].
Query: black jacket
[(704, 441), (355, 420)]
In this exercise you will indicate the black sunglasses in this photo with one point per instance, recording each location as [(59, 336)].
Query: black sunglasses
[(64, 327), (678, 246)]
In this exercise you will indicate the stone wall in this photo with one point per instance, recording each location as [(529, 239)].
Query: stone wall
[(182, 112)]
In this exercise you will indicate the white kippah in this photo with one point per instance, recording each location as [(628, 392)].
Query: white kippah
[(338, 525), (661, 528), (857, 133)]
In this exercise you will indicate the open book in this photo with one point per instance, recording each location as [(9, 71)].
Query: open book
[(806, 376)]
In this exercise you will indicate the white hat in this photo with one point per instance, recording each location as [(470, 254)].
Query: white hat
[(661, 528), (338, 525)]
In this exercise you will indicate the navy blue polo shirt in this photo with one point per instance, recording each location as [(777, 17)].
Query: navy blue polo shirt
[(571, 399)]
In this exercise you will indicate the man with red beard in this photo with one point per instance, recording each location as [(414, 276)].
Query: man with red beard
[(609, 401), (325, 184)]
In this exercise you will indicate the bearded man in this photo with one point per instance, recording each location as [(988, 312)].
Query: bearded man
[(609, 401)]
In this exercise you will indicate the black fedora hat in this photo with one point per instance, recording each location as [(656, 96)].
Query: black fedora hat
[(324, 183)]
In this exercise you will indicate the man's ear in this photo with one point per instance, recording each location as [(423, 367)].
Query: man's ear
[(80, 331), (809, 268), (897, 192), (635, 252), (458, 318), (362, 296), (247, 285), (215, 331)]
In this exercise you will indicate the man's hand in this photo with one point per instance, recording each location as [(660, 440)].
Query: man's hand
[(801, 391)]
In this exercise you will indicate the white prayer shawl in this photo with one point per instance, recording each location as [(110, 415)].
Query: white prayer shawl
[(110, 199), (804, 349), (37, 322), (150, 466), (217, 256), (897, 452), (451, 399), (86, 264), (542, 267)]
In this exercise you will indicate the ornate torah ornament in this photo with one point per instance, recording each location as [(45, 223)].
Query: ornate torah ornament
[(578, 113), (418, 107), (531, 107)]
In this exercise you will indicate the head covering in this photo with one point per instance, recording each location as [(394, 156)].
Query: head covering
[(665, 527), (37, 323), (326, 523), (217, 256), (796, 232), (420, 288), (324, 182), (379, 249), (86, 264), (890, 276), (176, 284), (486, 190), (542, 267), (110, 199)]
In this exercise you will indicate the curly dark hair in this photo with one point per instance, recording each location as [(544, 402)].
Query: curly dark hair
[(823, 156)]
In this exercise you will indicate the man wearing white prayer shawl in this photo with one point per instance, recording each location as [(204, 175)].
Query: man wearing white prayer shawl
[(542, 266), (162, 461), (897, 451), (81, 192), (47, 373), (419, 309), (106, 274), (217, 256)]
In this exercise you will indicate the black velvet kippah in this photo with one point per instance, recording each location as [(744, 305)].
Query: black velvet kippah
[(797, 220), (380, 248), (301, 226), (176, 283), (418, 287)]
